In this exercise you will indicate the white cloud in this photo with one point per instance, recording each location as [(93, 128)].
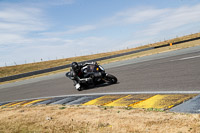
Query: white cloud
[(83, 28), (21, 19), (175, 18), (75, 30), (126, 17), (53, 2), (9, 38), (132, 16), (38, 3), (56, 2), (23, 14), (16, 23)]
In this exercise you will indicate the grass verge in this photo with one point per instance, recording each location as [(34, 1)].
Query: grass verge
[(89, 119)]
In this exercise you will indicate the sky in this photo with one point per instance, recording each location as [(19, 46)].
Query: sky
[(41, 30)]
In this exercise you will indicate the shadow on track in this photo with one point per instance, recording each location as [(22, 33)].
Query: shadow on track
[(98, 86)]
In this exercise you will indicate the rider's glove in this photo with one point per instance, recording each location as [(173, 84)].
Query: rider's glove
[(89, 80)]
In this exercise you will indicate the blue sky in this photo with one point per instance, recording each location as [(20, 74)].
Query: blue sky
[(31, 30)]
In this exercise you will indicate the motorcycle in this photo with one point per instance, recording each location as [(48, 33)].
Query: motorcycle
[(94, 74)]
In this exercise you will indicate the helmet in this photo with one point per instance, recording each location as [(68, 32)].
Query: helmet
[(75, 66)]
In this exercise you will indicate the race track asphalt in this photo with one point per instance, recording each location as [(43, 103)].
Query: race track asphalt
[(170, 71)]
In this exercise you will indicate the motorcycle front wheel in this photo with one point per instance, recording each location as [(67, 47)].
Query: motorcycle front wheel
[(111, 79)]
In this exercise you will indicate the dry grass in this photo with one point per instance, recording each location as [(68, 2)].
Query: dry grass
[(13, 70), (89, 119)]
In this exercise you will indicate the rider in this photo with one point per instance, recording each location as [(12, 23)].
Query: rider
[(78, 75)]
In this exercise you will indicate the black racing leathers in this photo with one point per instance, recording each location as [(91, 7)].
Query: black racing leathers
[(79, 76)]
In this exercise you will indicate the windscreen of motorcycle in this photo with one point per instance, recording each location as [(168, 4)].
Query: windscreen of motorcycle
[(101, 68), (93, 68)]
